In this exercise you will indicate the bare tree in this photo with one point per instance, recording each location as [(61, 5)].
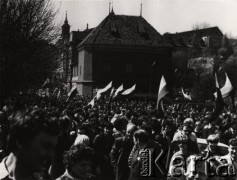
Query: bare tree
[(26, 51)]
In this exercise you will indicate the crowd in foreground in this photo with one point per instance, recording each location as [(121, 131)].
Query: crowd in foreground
[(41, 138)]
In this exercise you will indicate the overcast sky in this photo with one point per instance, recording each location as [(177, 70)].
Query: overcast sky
[(164, 15)]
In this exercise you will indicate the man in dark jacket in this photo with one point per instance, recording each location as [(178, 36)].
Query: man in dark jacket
[(102, 144), (120, 153), (143, 158)]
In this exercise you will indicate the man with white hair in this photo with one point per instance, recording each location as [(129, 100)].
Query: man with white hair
[(82, 140)]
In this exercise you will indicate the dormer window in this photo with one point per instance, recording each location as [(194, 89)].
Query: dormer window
[(114, 30), (206, 40), (143, 32)]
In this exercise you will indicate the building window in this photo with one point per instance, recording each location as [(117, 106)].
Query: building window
[(129, 68), (143, 32), (206, 40), (75, 71), (114, 30), (106, 67)]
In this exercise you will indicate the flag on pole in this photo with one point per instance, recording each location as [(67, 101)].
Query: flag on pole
[(98, 95), (118, 90), (72, 93), (46, 82), (105, 88), (219, 101), (54, 92), (130, 90), (59, 94), (162, 105), (162, 91), (92, 102), (186, 96), (112, 92), (216, 80), (220, 68), (100, 91), (226, 89)]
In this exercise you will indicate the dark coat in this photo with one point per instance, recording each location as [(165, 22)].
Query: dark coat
[(119, 157), (137, 169), (228, 134), (102, 145)]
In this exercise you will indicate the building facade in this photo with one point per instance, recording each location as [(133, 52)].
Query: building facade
[(121, 49), (196, 43)]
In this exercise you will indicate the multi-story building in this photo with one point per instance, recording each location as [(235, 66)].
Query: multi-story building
[(121, 49)]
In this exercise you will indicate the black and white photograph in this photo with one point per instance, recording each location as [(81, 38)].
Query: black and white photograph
[(118, 90)]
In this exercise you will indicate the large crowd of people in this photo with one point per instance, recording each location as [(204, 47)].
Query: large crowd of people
[(46, 138)]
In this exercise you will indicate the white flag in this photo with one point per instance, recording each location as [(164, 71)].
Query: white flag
[(92, 102), (59, 94), (72, 90), (118, 90), (186, 96), (54, 92), (162, 91), (105, 88), (130, 90), (100, 91), (98, 95), (112, 92), (226, 89), (72, 93), (46, 82)]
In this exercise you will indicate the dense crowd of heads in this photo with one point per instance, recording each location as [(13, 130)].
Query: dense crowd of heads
[(79, 126)]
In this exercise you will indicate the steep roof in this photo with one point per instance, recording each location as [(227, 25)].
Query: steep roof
[(122, 31), (191, 38), (200, 32), (78, 36)]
